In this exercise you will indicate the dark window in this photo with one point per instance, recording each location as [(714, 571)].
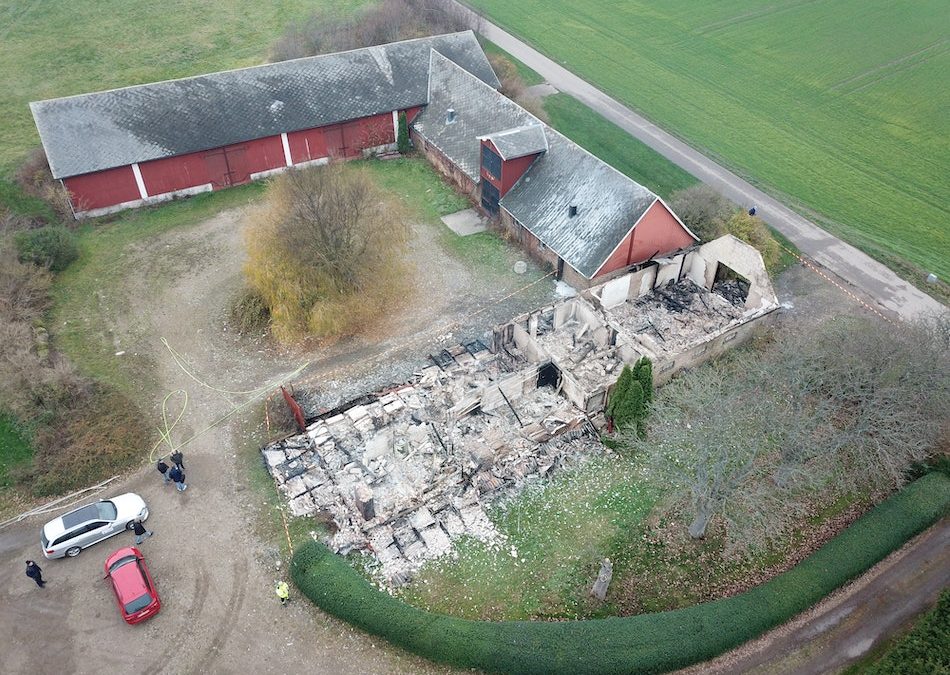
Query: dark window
[(82, 515), (107, 510), (124, 560), (489, 197), (95, 525), (138, 604), (69, 535), (491, 162)]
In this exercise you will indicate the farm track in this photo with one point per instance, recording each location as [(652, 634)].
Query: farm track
[(882, 288)]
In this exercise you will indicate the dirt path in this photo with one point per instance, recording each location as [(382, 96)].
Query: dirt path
[(215, 575), (884, 288), (853, 621)]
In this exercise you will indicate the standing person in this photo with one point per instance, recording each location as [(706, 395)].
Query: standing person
[(178, 476), (178, 459), (163, 469), (141, 534), (283, 592), (35, 573)]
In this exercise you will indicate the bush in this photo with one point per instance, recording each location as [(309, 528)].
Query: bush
[(752, 230), (382, 22), (99, 433), (35, 180), (646, 643), (703, 210), (53, 247), (249, 313), (402, 138)]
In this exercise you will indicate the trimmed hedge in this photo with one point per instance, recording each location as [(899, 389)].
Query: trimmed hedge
[(645, 643)]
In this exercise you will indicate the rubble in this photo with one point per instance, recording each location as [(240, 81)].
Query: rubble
[(405, 472), (402, 473)]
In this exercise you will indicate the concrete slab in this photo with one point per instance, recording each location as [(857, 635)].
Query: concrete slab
[(466, 222)]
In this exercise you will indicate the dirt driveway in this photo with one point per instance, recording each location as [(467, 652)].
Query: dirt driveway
[(214, 572)]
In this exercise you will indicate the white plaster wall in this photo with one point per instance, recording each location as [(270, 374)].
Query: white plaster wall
[(745, 260), (615, 292)]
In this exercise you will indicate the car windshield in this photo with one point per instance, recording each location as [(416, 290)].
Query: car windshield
[(138, 604), (107, 510), (120, 562)]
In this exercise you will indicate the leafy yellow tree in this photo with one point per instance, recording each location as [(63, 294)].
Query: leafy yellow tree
[(326, 253)]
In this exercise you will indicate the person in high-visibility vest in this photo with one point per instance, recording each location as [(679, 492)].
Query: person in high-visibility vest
[(283, 592)]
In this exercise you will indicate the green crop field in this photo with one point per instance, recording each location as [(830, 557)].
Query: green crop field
[(838, 107), (50, 48)]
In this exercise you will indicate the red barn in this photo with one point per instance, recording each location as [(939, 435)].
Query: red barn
[(148, 143), (564, 205)]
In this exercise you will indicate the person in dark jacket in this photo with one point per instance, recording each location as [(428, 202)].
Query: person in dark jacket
[(163, 469), (141, 534), (178, 459), (178, 476), (35, 573)]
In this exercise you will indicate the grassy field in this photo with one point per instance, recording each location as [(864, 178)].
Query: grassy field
[(840, 108), (615, 146), (15, 450), (50, 49)]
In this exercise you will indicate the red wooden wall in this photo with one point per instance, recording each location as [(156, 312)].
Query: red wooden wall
[(103, 188), (657, 233), (511, 170), (230, 165)]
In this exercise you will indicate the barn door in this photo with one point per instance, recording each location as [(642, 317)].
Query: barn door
[(227, 166), (353, 139), (334, 139)]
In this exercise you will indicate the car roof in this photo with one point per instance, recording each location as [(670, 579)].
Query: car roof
[(129, 580), (81, 515)]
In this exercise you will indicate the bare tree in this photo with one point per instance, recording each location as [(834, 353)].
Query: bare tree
[(847, 406), (703, 210)]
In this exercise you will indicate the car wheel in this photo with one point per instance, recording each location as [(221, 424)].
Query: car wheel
[(129, 525), (73, 552)]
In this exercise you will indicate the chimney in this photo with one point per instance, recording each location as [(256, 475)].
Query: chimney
[(572, 210), (450, 116)]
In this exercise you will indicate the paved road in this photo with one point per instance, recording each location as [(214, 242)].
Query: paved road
[(893, 295)]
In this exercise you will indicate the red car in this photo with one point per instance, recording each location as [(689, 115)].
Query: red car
[(134, 589)]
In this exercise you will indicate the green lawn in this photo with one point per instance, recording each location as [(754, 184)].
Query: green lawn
[(50, 48), (839, 107), (15, 450), (615, 146), (557, 534)]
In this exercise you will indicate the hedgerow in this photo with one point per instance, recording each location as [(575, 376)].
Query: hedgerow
[(646, 643)]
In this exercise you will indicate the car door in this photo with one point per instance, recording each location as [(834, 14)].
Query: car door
[(97, 530)]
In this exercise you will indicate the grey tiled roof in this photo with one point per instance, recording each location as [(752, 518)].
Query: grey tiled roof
[(479, 111), (520, 142), (608, 203), (113, 128)]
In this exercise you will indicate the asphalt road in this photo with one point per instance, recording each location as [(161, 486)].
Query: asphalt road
[(892, 295)]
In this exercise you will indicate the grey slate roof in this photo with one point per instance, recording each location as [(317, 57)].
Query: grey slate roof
[(92, 132), (519, 142), (608, 203), (479, 111)]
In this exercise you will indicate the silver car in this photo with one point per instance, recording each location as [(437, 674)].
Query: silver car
[(72, 532)]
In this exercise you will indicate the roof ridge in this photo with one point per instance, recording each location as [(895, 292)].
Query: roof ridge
[(248, 68), (546, 127)]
